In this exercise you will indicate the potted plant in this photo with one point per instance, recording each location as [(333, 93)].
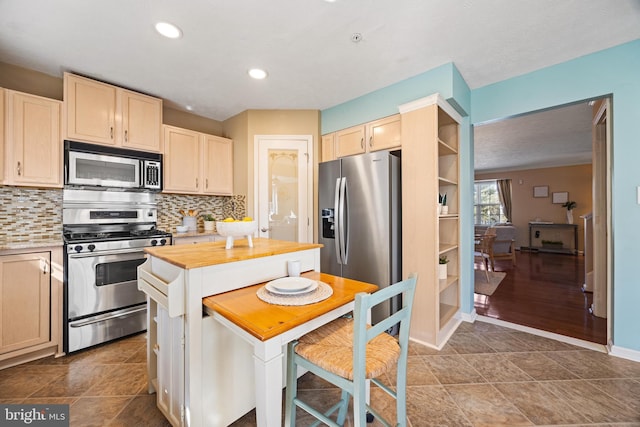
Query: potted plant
[(570, 205), (209, 222), (442, 267), (442, 204)]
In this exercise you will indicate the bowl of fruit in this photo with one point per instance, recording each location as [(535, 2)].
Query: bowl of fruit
[(236, 228)]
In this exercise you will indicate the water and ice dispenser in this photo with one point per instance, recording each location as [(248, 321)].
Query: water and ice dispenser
[(328, 224)]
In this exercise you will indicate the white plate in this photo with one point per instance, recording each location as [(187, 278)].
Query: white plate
[(291, 285)]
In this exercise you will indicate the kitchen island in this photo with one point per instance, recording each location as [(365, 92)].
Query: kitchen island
[(212, 363)]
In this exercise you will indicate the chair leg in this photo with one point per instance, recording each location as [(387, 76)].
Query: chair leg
[(292, 387), (342, 413)]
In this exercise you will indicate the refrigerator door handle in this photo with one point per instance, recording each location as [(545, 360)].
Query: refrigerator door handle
[(336, 208), (344, 205)]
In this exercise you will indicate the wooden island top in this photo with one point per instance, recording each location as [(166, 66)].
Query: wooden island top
[(214, 253), (265, 321)]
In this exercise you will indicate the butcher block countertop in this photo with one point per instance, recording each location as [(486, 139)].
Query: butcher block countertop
[(265, 321), (214, 253)]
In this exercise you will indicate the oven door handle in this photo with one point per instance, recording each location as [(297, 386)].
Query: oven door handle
[(106, 253), (99, 319)]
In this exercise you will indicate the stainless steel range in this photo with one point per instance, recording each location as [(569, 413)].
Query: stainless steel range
[(105, 233)]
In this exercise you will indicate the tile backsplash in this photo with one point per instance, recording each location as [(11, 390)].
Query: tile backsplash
[(30, 214), (220, 207)]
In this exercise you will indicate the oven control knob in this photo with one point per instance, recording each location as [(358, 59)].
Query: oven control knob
[(91, 247), (163, 242), (78, 248), (154, 242)]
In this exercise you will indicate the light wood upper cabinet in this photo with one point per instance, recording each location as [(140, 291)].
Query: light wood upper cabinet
[(141, 121), (350, 141), (328, 147), (33, 147), (382, 134), (24, 301), (104, 114), (181, 160), (197, 163), (218, 165), (2, 136)]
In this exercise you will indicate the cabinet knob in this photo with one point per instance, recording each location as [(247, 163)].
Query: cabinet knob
[(19, 169), (126, 136), (371, 142), (111, 132), (362, 143), (196, 182), (206, 183)]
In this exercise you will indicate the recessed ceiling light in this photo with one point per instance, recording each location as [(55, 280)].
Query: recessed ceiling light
[(188, 107), (257, 73), (168, 30)]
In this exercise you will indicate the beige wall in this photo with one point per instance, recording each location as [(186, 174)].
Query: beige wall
[(576, 180), (36, 83), (243, 127), (29, 81)]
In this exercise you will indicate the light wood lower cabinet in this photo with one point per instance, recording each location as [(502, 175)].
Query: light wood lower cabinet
[(33, 147), (30, 305), (197, 163)]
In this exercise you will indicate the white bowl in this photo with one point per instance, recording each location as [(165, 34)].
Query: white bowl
[(236, 228), (182, 228)]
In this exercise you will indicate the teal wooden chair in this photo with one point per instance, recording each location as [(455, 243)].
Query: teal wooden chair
[(348, 351)]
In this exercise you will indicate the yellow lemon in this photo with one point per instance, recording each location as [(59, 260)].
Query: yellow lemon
[(247, 218), (229, 219)]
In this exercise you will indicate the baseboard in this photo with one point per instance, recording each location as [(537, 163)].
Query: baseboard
[(469, 317), (624, 353), (569, 340)]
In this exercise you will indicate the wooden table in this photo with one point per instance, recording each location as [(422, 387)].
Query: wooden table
[(269, 328)]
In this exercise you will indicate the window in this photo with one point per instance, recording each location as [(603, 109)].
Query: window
[(487, 209)]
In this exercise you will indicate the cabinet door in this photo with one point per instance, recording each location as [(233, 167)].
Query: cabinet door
[(350, 141), (2, 140), (218, 165), (181, 160), (91, 108), (33, 128), (24, 300), (170, 350), (141, 121), (384, 133), (328, 147)]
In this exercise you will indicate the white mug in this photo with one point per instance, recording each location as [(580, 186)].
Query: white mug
[(293, 268)]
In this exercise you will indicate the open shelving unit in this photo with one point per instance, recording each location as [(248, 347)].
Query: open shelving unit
[(430, 166)]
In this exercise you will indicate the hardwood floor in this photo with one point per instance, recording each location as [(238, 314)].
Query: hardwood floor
[(543, 291)]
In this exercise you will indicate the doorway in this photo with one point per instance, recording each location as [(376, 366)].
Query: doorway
[(283, 184), (563, 150)]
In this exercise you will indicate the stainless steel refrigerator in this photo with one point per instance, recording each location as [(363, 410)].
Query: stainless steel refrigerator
[(360, 227)]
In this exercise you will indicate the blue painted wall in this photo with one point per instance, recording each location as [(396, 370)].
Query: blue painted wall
[(615, 72)]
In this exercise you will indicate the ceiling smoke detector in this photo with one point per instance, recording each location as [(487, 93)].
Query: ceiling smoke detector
[(356, 37)]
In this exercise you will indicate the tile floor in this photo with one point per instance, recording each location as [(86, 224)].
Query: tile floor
[(487, 375)]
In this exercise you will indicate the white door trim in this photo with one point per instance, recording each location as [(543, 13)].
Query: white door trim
[(308, 237)]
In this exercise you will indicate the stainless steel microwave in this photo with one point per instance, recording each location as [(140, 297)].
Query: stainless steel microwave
[(90, 165)]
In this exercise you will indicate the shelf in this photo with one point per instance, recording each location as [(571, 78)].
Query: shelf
[(445, 247), (448, 216), (446, 313), (445, 181), (445, 283), (445, 149)]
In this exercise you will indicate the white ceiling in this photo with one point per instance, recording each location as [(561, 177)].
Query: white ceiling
[(556, 137), (304, 44)]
